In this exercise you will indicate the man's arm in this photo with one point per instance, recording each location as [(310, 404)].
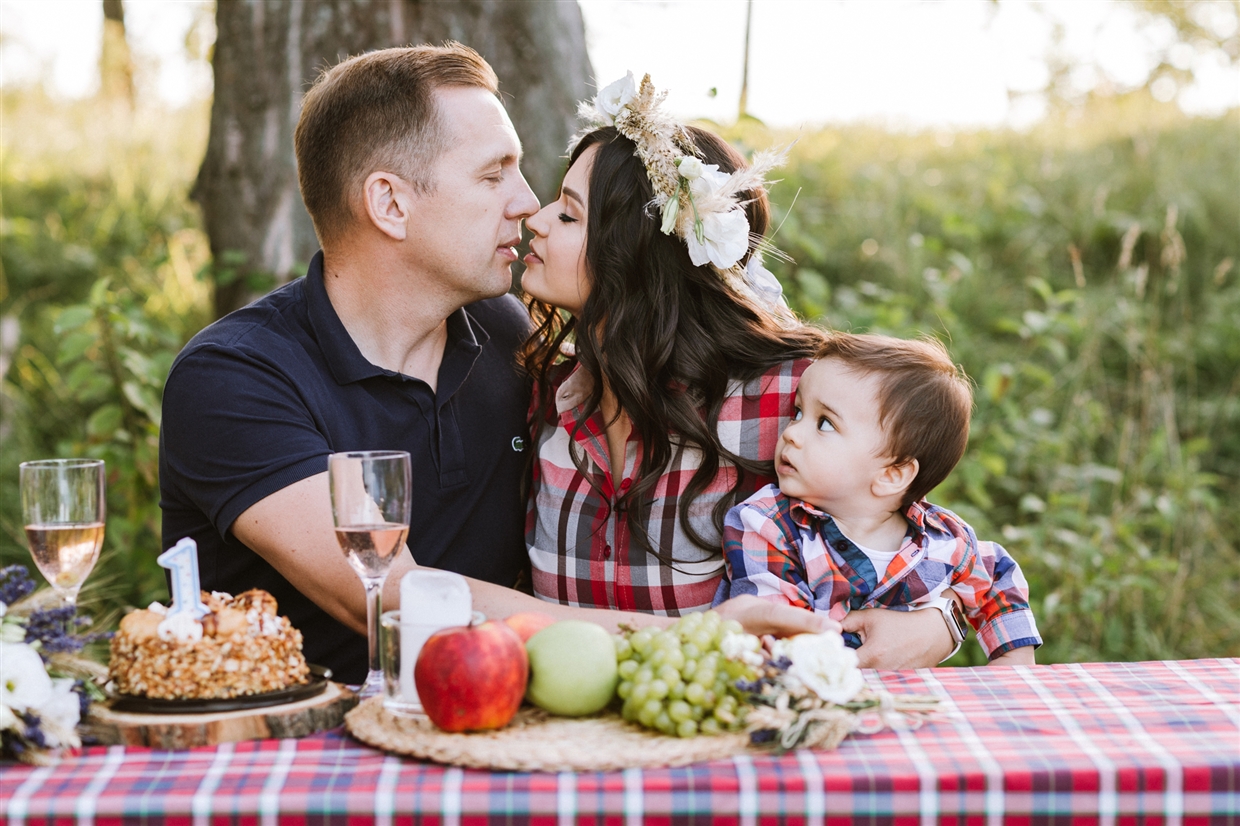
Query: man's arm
[(292, 530)]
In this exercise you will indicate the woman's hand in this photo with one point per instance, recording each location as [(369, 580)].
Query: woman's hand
[(894, 640), (761, 617)]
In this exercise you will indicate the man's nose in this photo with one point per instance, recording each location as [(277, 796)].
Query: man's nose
[(524, 203)]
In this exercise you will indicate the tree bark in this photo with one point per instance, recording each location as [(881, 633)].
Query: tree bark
[(115, 62), (269, 51)]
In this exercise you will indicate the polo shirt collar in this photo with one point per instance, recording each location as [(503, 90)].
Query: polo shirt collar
[(918, 515), (346, 362)]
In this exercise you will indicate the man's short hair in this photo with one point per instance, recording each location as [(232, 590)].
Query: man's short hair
[(924, 401), (376, 111)]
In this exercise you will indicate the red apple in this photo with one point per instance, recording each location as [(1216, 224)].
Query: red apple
[(529, 623), (472, 678)]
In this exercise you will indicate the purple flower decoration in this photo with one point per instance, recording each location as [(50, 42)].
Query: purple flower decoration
[(15, 584)]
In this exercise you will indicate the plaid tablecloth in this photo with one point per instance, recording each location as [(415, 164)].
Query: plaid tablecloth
[(1070, 744)]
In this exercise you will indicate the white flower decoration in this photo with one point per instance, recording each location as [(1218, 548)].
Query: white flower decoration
[(12, 631), (764, 283), (671, 212), (722, 238), (612, 98), (708, 179), (60, 713), (25, 684), (823, 664), (691, 168)]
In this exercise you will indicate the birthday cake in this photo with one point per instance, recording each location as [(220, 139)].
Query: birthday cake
[(239, 646)]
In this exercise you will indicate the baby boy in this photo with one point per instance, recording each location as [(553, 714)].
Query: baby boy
[(879, 422)]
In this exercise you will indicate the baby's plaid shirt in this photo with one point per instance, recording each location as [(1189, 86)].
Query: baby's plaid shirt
[(786, 550)]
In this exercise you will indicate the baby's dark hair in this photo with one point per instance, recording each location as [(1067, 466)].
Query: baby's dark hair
[(924, 401)]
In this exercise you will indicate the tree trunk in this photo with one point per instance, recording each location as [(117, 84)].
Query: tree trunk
[(115, 62), (269, 51)]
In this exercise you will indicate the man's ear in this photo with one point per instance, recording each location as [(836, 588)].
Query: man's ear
[(895, 479), (386, 197)]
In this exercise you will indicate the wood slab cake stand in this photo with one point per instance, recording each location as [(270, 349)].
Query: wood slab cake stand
[(184, 731)]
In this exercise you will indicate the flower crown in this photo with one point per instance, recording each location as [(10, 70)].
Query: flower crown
[(696, 201)]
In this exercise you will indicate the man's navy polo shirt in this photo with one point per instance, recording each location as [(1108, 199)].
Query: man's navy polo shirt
[(257, 401)]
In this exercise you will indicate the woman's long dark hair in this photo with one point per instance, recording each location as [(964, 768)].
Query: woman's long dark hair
[(664, 335)]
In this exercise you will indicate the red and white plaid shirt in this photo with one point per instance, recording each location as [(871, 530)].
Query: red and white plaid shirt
[(581, 547)]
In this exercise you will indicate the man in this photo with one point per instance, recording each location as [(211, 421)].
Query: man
[(400, 337), (395, 339)]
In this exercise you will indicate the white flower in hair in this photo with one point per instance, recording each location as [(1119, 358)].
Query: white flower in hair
[(721, 239), (696, 201), (612, 98), (706, 180), (691, 168), (764, 283)]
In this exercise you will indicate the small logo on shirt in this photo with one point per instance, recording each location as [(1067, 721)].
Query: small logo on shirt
[(518, 444)]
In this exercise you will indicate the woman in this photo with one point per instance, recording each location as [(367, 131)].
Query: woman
[(683, 369)]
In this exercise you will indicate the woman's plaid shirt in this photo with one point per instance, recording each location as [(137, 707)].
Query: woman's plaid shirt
[(581, 545), (786, 550)]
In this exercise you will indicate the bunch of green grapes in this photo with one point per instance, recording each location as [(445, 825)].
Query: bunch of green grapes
[(681, 680)]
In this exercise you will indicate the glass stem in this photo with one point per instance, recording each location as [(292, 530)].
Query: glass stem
[(70, 601), (373, 588)]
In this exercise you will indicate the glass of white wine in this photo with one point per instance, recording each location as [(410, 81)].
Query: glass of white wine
[(63, 507), (370, 507)]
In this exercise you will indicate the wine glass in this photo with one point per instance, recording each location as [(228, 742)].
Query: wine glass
[(63, 508), (370, 507)]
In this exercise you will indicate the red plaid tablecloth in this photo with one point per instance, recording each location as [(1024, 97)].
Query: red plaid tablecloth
[(1072, 744)]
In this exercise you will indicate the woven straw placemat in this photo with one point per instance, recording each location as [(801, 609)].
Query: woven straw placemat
[(537, 741)]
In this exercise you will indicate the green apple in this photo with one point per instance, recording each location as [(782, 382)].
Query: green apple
[(572, 668)]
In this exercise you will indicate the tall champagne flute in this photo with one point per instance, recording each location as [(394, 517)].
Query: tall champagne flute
[(63, 508), (370, 507)]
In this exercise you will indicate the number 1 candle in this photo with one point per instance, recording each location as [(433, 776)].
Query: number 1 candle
[(182, 560)]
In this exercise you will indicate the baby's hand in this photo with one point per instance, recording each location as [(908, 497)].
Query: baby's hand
[(761, 617)]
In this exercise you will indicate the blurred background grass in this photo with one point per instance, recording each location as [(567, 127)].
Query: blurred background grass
[(1085, 276), (1084, 273)]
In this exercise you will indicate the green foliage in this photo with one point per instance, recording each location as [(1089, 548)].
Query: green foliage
[(100, 250), (1088, 285), (1084, 275)]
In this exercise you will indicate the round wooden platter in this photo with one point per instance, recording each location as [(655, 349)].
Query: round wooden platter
[(184, 731), (537, 741)]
